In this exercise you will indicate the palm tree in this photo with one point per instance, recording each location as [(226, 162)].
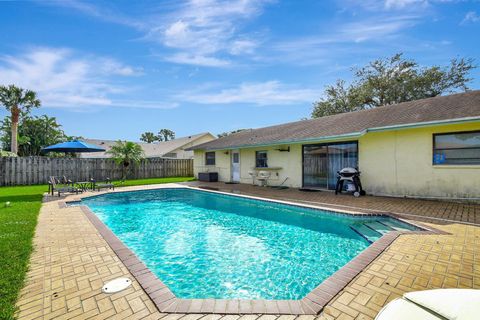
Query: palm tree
[(17, 101), (126, 153), (148, 137)]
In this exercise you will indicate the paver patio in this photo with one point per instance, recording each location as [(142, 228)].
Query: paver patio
[(72, 261)]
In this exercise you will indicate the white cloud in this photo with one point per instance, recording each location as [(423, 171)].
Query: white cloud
[(373, 33), (113, 67), (63, 79), (199, 32), (142, 104), (211, 33), (400, 4), (471, 17), (198, 60), (260, 93), (102, 13), (206, 32), (243, 46), (375, 29), (393, 5)]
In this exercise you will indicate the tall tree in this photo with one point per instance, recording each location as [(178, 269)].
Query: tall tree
[(148, 137), (393, 80), (33, 134), (18, 101), (165, 135), (126, 153)]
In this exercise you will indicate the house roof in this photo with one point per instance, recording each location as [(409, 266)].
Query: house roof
[(455, 107), (157, 149)]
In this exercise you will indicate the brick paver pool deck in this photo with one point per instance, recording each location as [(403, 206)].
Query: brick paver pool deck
[(72, 261)]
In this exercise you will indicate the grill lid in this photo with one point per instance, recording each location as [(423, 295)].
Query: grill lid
[(348, 170)]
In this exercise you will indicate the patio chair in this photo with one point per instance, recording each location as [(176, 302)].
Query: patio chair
[(263, 177), (58, 181), (55, 184), (106, 185), (67, 181), (460, 304)]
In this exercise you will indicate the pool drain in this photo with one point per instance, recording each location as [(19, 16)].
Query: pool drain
[(116, 285)]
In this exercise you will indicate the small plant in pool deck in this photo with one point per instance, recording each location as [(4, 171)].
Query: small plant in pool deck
[(127, 154)]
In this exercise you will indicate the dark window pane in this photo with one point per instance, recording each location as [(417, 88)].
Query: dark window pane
[(457, 148), (261, 159), (340, 156), (322, 161), (315, 166), (210, 158), (457, 140), (457, 156)]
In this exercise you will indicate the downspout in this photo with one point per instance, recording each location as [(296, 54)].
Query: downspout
[(395, 160)]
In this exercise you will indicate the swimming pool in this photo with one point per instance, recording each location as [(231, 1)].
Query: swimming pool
[(209, 245)]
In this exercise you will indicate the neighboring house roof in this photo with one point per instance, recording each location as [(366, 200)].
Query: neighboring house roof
[(157, 149), (455, 107)]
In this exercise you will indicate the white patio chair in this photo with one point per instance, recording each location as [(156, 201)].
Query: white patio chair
[(263, 177)]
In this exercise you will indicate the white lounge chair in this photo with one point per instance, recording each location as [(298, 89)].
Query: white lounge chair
[(451, 304)]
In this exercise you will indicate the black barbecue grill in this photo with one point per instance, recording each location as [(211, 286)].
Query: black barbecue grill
[(350, 179)]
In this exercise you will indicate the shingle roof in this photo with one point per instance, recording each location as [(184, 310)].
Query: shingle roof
[(441, 108), (157, 149)]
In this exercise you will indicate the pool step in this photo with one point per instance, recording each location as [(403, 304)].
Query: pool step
[(372, 231), (367, 233), (379, 227), (397, 226)]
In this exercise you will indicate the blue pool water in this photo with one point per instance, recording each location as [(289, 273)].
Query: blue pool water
[(207, 245)]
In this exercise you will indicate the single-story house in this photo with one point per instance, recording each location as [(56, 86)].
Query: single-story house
[(428, 148), (175, 148)]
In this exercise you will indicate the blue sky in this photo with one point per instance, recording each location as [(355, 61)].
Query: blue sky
[(116, 69)]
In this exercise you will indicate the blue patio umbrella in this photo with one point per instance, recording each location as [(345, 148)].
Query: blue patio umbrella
[(73, 146)]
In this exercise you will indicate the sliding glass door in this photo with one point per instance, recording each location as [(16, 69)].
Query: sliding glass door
[(322, 161), (315, 164)]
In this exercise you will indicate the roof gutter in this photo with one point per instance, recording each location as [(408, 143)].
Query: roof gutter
[(326, 138), (424, 124), (351, 135)]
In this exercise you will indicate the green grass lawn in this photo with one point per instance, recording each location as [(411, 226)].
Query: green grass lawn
[(17, 227)]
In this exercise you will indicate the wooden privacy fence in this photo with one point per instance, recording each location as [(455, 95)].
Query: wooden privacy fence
[(37, 170)]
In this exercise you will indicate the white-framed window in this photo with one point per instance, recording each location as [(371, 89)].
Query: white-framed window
[(261, 159), (210, 158)]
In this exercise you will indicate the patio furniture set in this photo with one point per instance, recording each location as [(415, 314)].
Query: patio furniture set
[(64, 185)]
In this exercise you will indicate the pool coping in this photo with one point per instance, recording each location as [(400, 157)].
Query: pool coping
[(166, 301)]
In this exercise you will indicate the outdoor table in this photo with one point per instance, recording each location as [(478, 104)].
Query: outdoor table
[(84, 185)]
